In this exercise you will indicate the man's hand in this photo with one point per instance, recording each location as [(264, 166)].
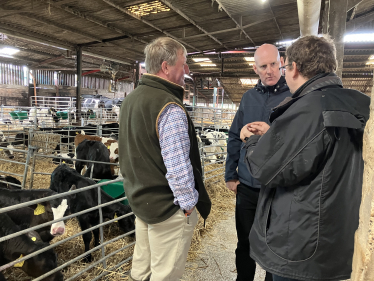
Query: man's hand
[(258, 128), (189, 211), (245, 133), (232, 185)]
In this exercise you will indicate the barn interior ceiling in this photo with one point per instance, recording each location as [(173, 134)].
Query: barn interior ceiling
[(224, 33)]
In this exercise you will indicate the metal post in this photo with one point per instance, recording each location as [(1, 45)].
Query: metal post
[(337, 13), (30, 153), (101, 221), (100, 129), (32, 169), (79, 81), (92, 168), (137, 74)]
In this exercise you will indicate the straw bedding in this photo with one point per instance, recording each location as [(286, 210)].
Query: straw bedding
[(222, 201)]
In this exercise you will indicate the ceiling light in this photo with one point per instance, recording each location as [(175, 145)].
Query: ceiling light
[(370, 62), (362, 37), (248, 81), (8, 51), (371, 57), (201, 60), (6, 56), (287, 43), (263, 1), (249, 58), (208, 64), (251, 63)]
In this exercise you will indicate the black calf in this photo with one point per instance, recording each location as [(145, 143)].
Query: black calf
[(63, 178), (10, 181), (22, 245), (93, 151)]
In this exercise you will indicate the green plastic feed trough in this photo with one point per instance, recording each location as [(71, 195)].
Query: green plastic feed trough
[(92, 115), (62, 114), (22, 115), (14, 115), (115, 190)]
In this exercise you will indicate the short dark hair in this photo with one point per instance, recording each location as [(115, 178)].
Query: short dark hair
[(313, 55)]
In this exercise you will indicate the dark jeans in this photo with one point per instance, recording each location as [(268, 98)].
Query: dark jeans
[(280, 278), (245, 210)]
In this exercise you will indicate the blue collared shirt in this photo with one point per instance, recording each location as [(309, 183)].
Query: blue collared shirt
[(175, 150)]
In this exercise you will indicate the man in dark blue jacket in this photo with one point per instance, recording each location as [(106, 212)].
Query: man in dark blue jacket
[(256, 105)]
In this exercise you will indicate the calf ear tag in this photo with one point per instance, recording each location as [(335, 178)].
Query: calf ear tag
[(40, 209), (108, 147), (20, 264), (33, 239), (115, 216)]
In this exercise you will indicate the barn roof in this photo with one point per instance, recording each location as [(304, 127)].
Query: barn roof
[(116, 32)]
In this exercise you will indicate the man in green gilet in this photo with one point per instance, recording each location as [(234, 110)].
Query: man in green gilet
[(160, 164)]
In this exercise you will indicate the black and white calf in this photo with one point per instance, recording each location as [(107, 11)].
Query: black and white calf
[(64, 178), (5, 145), (56, 208), (28, 217)]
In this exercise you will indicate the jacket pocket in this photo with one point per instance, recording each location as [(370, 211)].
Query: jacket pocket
[(292, 224)]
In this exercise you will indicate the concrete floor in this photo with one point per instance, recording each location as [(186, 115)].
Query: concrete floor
[(217, 260)]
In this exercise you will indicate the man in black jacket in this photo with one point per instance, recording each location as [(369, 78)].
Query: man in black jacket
[(310, 165), (255, 105)]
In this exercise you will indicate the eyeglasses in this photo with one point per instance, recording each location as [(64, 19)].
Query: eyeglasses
[(283, 69)]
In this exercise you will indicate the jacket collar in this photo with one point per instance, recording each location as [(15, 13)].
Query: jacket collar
[(281, 86), (163, 84), (319, 81)]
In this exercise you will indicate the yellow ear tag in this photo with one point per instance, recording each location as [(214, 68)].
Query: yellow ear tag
[(33, 239), (1, 149), (108, 147), (115, 216), (20, 264), (76, 133), (40, 209), (63, 161)]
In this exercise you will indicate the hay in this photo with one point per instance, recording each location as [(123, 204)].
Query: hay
[(222, 201)]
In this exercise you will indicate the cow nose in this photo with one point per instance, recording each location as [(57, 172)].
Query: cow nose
[(58, 231)]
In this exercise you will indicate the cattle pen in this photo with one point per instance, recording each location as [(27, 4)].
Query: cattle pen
[(38, 151)]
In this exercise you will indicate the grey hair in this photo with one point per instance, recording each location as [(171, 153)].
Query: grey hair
[(160, 50)]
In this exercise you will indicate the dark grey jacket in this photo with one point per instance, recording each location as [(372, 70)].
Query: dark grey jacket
[(256, 105), (310, 164)]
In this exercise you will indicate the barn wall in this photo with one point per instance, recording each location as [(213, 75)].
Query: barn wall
[(14, 95)]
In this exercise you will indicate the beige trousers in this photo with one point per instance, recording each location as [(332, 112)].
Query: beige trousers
[(161, 249)]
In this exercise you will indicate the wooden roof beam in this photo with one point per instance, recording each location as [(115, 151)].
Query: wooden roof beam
[(123, 10), (167, 3), (92, 19), (48, 61), (52, 42), (75, 31), (352, 25), (275, 20), (237, 24)]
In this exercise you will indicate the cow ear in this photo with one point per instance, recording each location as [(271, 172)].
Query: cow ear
[(73, 187)]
